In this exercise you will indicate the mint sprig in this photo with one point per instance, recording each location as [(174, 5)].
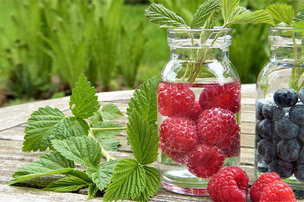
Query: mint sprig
[(281, 13), (203, 13)]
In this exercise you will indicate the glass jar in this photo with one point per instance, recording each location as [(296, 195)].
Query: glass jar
[(279, 135), (198, 110)]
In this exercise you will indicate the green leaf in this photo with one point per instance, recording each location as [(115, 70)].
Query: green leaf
[(299, 17), (102, 174), (80, 174), (247, 17), (128, 181), (159, 14), (83, 150), (152, 184), (42, 126), (48, 164), (79, 126), (144, 100), (281, 13), (67, 184), (227, 8), (143, 139), (203, 13), (110, 112), (107, 129), (299, 24), (93, 189), (83, 101)]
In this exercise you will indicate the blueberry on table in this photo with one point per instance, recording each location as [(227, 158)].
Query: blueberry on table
[(259, 106), (286, 129), (266, 150), (288, 150), (301, 95), (283, 168), (266, 129), (273, 112), (296, 115), (299, 172), (285, 97)]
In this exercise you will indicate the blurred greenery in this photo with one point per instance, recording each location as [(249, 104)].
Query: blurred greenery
[(45, 44)]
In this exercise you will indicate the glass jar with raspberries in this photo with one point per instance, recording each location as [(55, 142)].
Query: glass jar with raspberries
[(198, 109), (279, 139)]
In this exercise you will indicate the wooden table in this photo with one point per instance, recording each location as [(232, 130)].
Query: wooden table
[(13, 121)]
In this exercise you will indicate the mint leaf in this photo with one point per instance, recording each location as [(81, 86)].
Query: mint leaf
[(128, 181), (203, 13), (93, 189), (102, 174), (144, 100), (48, 164), (83, 101), (227, 8), (67, 184), (83, 150), (152, 184), (281, 13), (159, 14), (42, 126), (246, 17), (110, 112), (143, 139)]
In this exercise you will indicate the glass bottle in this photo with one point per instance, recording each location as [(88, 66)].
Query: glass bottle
[(198, 110), (279, 136)]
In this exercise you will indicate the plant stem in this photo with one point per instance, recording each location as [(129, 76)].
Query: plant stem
[(104, 129)]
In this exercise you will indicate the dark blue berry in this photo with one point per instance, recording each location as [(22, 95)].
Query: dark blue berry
[(262, 166), (272, 112), (301, 134), (266, 150), (266, 129), (301, 157), (259, 106), (283, 168), (299, 172), (288, 150), (286, 128), (301, 95), (296, 115), (285, 97)]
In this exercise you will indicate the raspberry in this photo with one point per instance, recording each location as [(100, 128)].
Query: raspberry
[(195, 112), (174, 100), (216, 126), (178, 134), (258, 186), (179, 157), (226, 97), (277, 191), (231, 147), (229, 184), (205, 160)]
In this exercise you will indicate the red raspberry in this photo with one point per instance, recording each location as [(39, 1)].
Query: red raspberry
[(179, 157), (205, 160), (216, 126), (195, 112), (229, 184), (277, 191), (258, 186), (178, 134), (226, 97), (231, 147), (174, 100)]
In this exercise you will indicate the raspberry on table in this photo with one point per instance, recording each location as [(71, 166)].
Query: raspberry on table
[(178, 134), (174, 100), (226, 97), (277, 191), (216, 126), (285, 97), (229, 184), (205, 160), (258, 186)]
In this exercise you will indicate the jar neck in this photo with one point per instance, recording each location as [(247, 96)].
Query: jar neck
[(287, 54)]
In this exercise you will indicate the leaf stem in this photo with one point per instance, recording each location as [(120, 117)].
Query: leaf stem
[(103, 129)]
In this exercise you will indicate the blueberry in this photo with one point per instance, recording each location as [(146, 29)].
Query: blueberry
[(288, 150), (296, 115), (301, 157), (299, 172), (301, 95), (259, 106), (286, 128), (283, 168), (266, 129), (266, 150), (262, 166), (301, 134), (285, 97), (272, 112)]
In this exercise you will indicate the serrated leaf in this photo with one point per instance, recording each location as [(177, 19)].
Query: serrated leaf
[(48, 164), (299, 17), (159, 14), (144, 100), (43, 126), (110, 112), (281, 13), (79, 126), (255, 17), (67, 184), (152, 184), (83, 150), (128, 181), (227, 8), (102, 174), (203, 13), (93, 189), (143, 139), (299, 24), (80, 174), (109, 144), (83, 101)]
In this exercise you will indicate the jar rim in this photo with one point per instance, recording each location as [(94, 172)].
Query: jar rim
[(215, 28)]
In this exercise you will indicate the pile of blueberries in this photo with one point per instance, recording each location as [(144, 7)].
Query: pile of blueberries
[(280, 134)]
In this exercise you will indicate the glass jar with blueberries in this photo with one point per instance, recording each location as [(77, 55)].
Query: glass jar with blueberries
[(279, 139)]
